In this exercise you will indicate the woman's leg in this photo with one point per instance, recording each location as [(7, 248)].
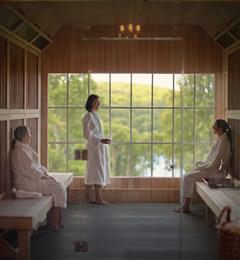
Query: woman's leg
[(98, 193), (188, 189), (54, 218), (89, 193)]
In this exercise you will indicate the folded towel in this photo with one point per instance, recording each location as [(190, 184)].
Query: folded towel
[(22, 194)]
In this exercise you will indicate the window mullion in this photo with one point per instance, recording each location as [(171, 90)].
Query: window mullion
[(152, 128), (67, 119)]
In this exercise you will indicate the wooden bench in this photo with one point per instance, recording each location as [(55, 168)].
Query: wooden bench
[(25, 215), (217, 199)]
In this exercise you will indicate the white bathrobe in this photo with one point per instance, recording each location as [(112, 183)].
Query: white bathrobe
[(27, 173), (98, 170), (221, 150)]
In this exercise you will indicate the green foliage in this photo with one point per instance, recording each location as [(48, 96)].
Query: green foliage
[(126, 158)]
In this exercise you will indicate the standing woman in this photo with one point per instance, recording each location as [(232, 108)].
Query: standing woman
[(221, 150), (97, 173)]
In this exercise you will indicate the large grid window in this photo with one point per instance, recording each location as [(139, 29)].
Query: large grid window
[(160, 124)]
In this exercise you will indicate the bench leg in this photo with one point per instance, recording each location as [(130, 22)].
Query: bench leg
[(6, 250), (24, 237), (210, 217)]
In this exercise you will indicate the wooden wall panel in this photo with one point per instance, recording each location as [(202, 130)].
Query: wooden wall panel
[(19, 88), (32, 81), (3, 156), (235, 169), (233, 81), (133, 189), (234, 104), (16, 77), (3, 73), (32, 123), (188, 49)]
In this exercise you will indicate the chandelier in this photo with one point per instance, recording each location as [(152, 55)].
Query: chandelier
[(129, 31)]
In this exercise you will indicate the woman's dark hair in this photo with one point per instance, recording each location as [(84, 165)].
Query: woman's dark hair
[(220, 123), (19, 133), (89, 102)]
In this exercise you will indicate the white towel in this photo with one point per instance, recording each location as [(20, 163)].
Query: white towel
[(22, 194)]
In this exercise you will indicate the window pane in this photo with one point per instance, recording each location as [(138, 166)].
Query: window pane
[(57, 124), (162, 160), (141, 125), (99, 84), (177, 164), (105, 122), (163, 90), (162, 125), (183, 157), (183, 125), (141, 90), (78, 89), (120, 160), (57, 90), (205, 90), (78, 167), (184, 90), (203, 125), (120, 125), (141, 160), (57, 157), (120, 90), (75, 128)]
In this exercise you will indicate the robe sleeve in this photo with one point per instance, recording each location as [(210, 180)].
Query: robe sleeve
[(27, 166), (223, 147), (89, 132), (42, 169)]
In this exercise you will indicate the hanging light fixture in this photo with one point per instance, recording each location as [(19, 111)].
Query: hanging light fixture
[(129, 31)]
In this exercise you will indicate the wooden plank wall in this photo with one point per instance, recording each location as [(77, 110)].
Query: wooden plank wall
[(19, 102), (234, 104), (131, 189), (3, 157), (196, 52)]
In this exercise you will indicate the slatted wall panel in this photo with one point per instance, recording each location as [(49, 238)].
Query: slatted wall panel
[(16, 77), (233, 81), (19, 88), (32, 123), (190, 49), (32, 81), (235, 169), (3, 156), (3, 73), (234, 104)]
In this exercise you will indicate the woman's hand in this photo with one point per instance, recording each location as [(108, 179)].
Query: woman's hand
[(106, 141)]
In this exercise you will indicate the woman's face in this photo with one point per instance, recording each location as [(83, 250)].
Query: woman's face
[(28, 137), (96, 104), (217, 130)]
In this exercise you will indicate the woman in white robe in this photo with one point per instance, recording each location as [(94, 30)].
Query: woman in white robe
[(30, 175), (221, 150), (97, 171)]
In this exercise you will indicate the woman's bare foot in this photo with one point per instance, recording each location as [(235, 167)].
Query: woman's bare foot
[(182, 209), (101, 202)]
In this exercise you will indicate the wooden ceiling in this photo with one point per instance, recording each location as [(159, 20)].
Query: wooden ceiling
[(50, 16)]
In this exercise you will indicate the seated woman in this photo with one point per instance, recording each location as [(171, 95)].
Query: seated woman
[(30, 175), (221, 150)]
